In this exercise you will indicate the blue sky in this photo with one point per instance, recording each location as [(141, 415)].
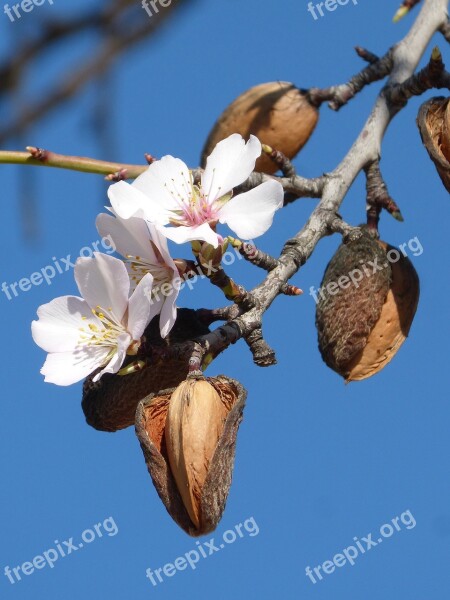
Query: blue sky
[(318, 463)]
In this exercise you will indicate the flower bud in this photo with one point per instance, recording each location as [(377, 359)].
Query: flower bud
[(188, 437), (367, 302), (277, 113)]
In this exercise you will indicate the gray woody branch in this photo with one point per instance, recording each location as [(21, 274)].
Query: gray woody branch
[(333, 187)]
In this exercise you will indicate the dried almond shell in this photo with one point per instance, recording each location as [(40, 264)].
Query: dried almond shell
[(277, 113), (194, 424), (207, 498)]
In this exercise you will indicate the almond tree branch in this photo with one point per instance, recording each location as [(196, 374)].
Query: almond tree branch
[(298, 186), (245, 318), (43, 158), (324, 219), (339, 95), (404, 9), (445, 30), (378, 196)]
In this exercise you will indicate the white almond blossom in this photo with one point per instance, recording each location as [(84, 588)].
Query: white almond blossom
[(145, 249), (97, 330), (166, 194)]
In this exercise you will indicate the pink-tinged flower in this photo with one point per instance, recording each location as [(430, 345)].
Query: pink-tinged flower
[(145, 249), (97, 330), (166, 194)]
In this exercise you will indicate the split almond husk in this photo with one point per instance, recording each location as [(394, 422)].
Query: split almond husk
[(277, 113), (366, 306), (188, 437), (110, 403), (433, 121)]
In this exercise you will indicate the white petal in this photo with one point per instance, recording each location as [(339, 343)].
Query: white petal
[(168, 314), (183, 234), (65, 368), (158, 236), (251, 214), (103, 281), (141, 309), (116, 361), (229, 164), (127, 201), (60, 321), (164, 183), (130, 236)]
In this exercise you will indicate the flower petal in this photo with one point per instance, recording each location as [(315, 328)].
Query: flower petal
[(103, 281), (127, 201), (131, 236), (141, 309), (251, 214), (168, 314), (164, 183), (183, 234), (59, 324), (229, 164), (158, 236), (65, 368), (123, 341)]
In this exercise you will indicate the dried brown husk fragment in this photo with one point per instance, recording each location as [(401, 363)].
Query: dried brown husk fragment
[(362, 327), (110, 404), (433, 121), (277, 113), (199, 444)]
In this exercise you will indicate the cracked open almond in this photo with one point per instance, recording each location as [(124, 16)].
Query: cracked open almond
[(188, 437)]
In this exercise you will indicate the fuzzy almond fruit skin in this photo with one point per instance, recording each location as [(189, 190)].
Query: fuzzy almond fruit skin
[(346, 317), (195, 422), (362, 324), (395, 321), (277, 113)]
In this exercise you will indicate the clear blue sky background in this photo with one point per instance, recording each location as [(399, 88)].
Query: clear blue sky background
[(318, 463)]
